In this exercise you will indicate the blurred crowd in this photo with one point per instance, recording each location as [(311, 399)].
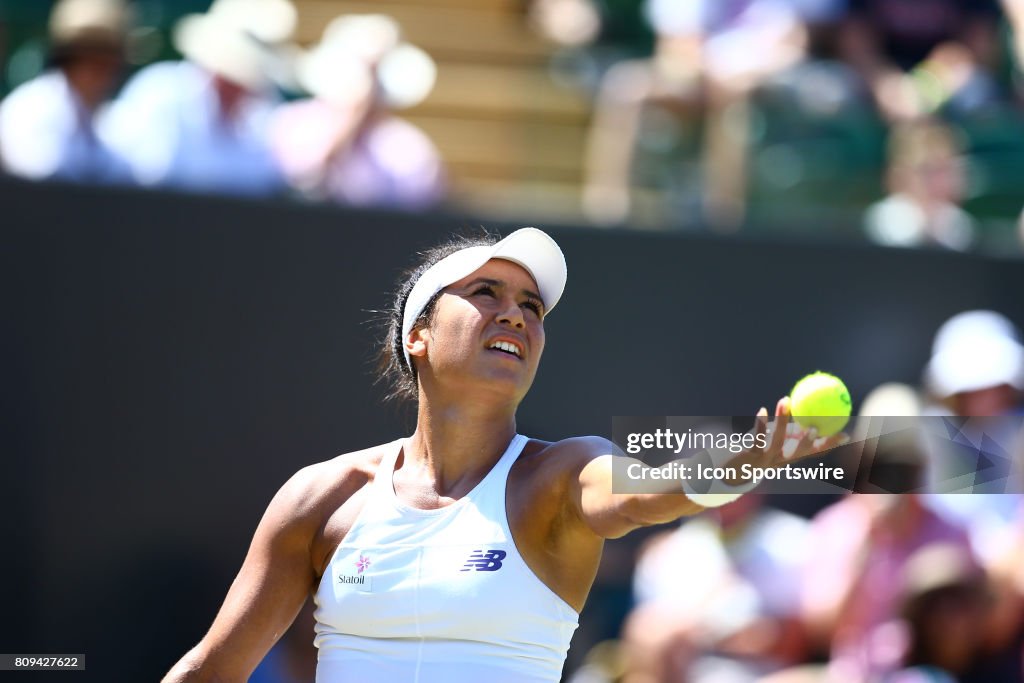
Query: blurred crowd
[(876, 587), (245, 112), (806, 85), (698, 111)]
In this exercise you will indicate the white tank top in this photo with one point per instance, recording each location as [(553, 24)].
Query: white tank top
[(424, 596)]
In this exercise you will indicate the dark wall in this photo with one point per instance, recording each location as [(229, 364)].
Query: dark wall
[(169, 361)]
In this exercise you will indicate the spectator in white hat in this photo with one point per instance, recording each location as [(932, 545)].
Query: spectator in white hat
[(47, 124), (200, 124), (345, 144), (976, 374), (977, 364)]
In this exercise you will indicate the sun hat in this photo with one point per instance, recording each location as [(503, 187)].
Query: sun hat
[(975, 350), (360, 51), (238, 39)]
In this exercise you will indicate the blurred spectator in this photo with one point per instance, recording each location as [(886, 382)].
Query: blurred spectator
[(919, 56), (1008, 574), (945, 608), (741, 602), (977, 365), (853, 585), (605, 662), (201, 124), (888, 455), (926, 184), (657, 645), (345, 144), (47, 127), (708, 57), (977, 372)]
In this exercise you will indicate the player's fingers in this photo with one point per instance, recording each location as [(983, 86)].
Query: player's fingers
[(781, 426), (761, 422), (802, 444), (782, 407)]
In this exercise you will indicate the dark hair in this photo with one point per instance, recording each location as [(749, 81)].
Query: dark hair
[(85, 43), (391, 363), (920, 612)]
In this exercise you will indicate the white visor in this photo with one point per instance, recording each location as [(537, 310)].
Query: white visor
[(531, 248)]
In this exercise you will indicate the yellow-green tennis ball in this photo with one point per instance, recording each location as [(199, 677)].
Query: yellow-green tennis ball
[(821, 400)]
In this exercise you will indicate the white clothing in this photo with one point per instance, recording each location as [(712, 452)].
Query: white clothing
[(168, 123), (417, 596), (898, 221), (737, 34), (47, 133), (766, 554)]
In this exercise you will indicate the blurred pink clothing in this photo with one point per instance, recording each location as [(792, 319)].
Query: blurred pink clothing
[(849, 556), (389, 163)]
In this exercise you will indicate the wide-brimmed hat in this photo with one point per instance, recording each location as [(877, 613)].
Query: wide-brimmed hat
[(363, 51), (89, 24), (975, 350), (271, 22), (238, 39)]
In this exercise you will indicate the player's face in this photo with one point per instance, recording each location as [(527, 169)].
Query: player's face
[(489, 326)]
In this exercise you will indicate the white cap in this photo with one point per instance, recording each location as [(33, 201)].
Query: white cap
[(531, 248), (975, 350)]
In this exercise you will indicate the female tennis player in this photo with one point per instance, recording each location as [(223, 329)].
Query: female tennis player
[(465, 552)]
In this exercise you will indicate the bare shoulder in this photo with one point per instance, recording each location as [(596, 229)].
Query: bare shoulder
[(554, 467), (567, 455), (586, 446), (317, 490)]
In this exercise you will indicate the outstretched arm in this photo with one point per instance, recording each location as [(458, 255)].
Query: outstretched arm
[(273, 584), (611, 515)]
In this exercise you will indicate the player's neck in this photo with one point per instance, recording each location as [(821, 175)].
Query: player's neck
[(454, 443)]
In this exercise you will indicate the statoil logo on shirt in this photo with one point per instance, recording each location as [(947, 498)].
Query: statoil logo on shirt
[(362, 582)]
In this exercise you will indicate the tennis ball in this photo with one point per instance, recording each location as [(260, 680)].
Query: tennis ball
[(821, 400)]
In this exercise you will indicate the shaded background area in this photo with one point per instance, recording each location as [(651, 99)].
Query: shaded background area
[(169, 360)]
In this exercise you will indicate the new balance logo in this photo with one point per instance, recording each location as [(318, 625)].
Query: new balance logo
[(484, 561)]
